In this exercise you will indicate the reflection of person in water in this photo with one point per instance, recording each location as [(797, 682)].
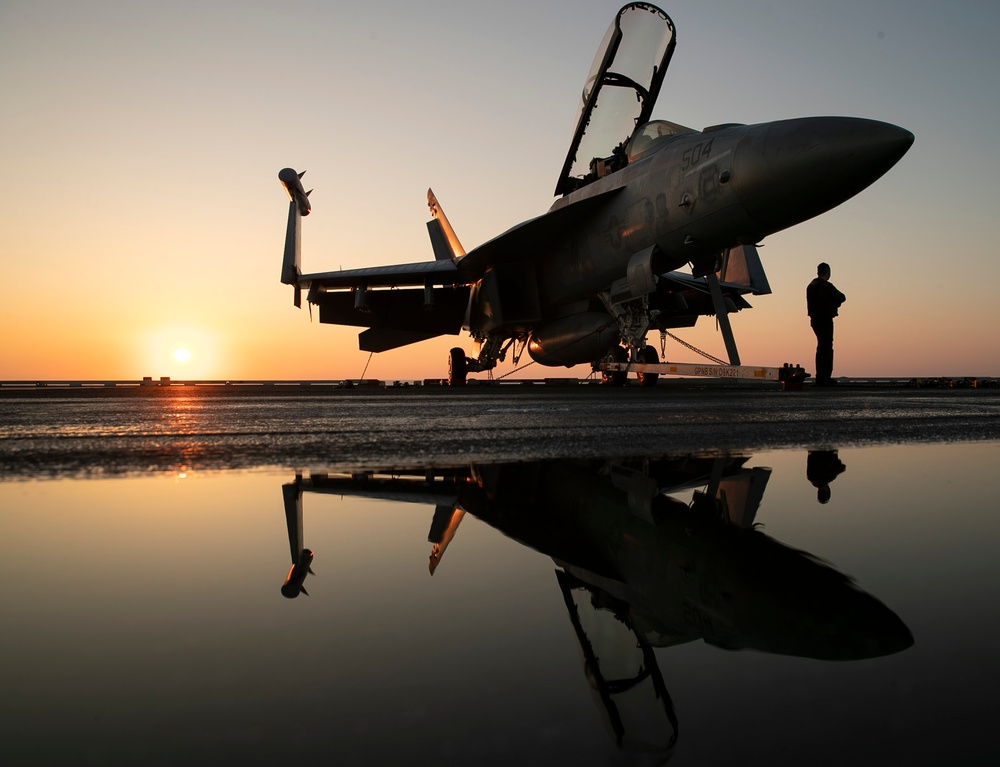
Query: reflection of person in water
[(822, 467)]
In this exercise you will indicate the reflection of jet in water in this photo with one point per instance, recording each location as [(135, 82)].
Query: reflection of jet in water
[(642, 568)]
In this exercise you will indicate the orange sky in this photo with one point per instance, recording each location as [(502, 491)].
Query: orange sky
[(140, 210)]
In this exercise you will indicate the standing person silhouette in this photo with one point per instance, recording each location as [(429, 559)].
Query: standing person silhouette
[(822, 302)]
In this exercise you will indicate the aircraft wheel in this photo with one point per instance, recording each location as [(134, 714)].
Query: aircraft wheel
[(618, 377), (647, 355), (458, 367)]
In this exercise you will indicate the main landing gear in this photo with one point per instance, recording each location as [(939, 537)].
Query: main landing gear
[(615, 377), (493, 347), (619, 354), (647, 356), (458, 367)]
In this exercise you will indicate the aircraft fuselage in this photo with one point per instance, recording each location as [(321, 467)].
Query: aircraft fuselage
[(700, 193)]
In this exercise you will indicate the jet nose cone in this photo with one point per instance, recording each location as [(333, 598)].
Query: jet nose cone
[(792, 170)]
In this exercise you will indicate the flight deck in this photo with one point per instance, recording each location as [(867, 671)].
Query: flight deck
[(78, 428)]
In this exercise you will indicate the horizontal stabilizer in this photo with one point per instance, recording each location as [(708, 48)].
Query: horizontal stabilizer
[(383, 339), (427, 314)]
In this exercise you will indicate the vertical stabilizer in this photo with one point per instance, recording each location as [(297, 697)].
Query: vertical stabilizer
[(741, 266)]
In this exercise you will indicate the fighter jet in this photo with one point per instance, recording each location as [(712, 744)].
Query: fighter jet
[(655, 225)]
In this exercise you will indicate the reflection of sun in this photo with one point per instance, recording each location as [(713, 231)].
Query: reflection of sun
[(182, 354)]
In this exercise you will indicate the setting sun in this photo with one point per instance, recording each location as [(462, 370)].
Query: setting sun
[(187, 352)]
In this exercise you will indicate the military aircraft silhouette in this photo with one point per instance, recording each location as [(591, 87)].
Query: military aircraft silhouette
[(639, 566), (638, 201)]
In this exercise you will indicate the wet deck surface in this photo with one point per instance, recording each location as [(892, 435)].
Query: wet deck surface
[(80, 431)]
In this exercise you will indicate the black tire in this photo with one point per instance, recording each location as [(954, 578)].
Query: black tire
[(617, 377), (458, 367), (648, 356)]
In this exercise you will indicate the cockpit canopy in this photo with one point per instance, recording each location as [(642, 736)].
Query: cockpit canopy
[(651, 136), (619, 93)]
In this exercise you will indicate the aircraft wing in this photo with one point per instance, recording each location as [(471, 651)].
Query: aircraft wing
[(399, 486), (402, 304), (535, 235), (393, 276), (443, 492)]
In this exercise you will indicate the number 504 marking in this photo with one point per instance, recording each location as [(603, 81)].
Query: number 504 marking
[(697, 153)]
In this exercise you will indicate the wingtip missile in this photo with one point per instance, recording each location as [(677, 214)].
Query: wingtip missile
[(293, 584), (291, 180)]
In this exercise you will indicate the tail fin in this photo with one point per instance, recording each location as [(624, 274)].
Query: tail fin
[(444, 241), (298, 207), (741, 266)]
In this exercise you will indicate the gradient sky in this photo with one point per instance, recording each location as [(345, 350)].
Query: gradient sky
[(140, 209)]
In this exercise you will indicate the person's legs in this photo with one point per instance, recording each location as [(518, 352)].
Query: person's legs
[(823, 328)]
